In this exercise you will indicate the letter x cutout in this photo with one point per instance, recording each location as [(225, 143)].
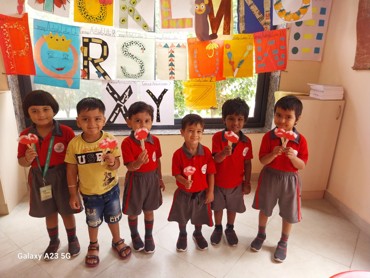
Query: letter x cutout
[(120, 107)]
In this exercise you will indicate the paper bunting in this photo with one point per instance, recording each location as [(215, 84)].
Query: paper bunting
[(200, 95), (205, 58), (16, 46), (93, 11), (270, 50), (56, 54)]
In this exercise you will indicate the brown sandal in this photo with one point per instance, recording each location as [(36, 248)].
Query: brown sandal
[(93, 246), (121, 252)]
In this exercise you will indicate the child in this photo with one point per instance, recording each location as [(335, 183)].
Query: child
[(94, 174), (143, 182), (47, 176), (194, 194), (279, 180), (235, 159)]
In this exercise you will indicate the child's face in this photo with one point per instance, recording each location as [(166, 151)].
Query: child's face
[(285, 118), (192, 134), (41, 115), (234, 122), (91, 122), (140, 120)]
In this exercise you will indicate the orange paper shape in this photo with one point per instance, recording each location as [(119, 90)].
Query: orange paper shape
[(205, 58), (16, 46), (270, 50)]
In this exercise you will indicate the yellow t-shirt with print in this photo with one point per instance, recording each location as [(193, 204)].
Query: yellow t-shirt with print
[(94, 178)]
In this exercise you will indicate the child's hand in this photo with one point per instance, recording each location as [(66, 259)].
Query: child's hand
[(246, 187), (74, 202), (278, 150), (109, 159), (209, 197), (30, 155), (290, 152), (162, 185), (227, 150), (143, 157), (188, 183)]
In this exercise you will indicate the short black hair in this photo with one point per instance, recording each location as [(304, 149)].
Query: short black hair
[(290, 102), (191, 119), (235, 106), (139, 107), (90, 103), (39, 98)]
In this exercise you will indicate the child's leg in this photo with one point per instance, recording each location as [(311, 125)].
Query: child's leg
[(52, 228), (182, 241), (231, 237), (92, 257), (70, 225), (217, 232), (149, 242), (281, 249), (199, 239), (137, 243), (117, 242), (261, 236)]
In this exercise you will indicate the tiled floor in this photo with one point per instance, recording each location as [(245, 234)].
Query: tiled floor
[(323, 244)]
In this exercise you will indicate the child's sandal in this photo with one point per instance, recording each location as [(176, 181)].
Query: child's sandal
[(92, 260), (122, 252)]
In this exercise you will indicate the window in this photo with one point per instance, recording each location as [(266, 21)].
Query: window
[(253, 90)]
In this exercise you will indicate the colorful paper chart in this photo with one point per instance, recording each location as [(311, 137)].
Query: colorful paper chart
[(60, 8), (92, 11), (171, 60), (291, 11), (307, 38), (254, 16), (136, 14), (176, 15), (200, 94)]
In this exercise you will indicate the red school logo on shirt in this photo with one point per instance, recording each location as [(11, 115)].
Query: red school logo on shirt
[(59, 147)]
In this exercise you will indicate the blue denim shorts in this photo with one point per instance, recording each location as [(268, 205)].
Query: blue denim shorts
[(107, 205)]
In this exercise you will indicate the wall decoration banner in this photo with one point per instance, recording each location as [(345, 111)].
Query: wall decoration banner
[(16, 46), (138, 14), (307, 38), (176, 14), (238, 56), (220, 17), (117, 97), (135, 58), (205, 58), (160, 95), (254, 16), (57, 7), (291, 11), (270, 50), (171, 60), (98, 53), (362, 57), (56, 54), (200, 94), (94, 11)]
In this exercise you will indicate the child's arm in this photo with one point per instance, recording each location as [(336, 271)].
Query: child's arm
[(296, 161), (210, 190), (28, 157), (181, 179), (136, 164), (247, 176), (159, 171), (72, 174), (113, 163), (220, 156)]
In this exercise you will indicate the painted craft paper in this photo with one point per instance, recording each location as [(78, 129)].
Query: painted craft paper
[(56, 54), (205, 58), (220, 17), (16, 46), (238, 56), (254, 16), (171, 60), (176, 14), (135, 58), (138, 14), (201, 23), (362, 57), (307, 38), (57, 7), (98, 53), (200, 94), (94, 11), (117, 97), (291, 11), (160, 95), (270, 51)]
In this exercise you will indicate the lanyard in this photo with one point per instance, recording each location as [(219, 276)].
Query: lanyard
[(47, 162)]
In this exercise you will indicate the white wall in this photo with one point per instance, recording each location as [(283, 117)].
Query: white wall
[(349, 181)]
